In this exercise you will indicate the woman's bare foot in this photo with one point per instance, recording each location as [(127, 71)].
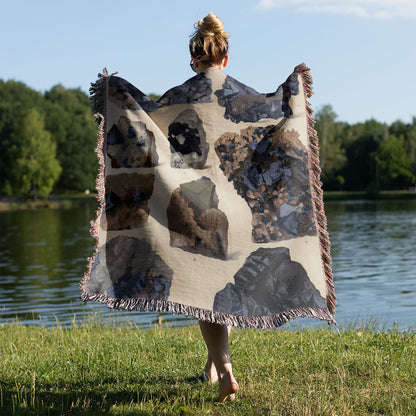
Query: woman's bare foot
[(228, 388), (209, 375)]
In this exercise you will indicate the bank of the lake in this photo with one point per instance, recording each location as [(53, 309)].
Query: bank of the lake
[(62, 201), (363, 195), (111, 370)]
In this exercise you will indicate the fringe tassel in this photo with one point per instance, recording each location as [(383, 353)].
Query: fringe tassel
[(257, 322), (97, 102), (317, 193)]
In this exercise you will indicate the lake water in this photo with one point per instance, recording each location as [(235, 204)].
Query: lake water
[(43, 257)]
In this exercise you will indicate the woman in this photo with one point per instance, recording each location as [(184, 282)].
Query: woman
[(209, 48), (211, 203)]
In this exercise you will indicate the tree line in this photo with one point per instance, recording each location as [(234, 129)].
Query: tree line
[(47, 143), (367, 156), (47, 140)]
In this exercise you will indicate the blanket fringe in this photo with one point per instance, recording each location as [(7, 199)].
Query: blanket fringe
[(317, 193), (257, 322), (97, 103)]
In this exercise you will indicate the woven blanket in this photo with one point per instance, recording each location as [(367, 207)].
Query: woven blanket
[(210, 202)]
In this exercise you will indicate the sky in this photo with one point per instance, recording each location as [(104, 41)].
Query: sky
[(361, 52)]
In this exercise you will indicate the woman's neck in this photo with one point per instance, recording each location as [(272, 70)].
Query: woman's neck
[(202, 68)]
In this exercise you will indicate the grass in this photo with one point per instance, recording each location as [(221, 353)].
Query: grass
[(104, 369)]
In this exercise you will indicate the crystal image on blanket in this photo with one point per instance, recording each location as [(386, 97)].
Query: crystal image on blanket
[(187, 141), (131, 145), (126, 200), (268, 283), (269, 169), (195, 222), (197, 89), (126, 267), (243, 103), (127, 96)]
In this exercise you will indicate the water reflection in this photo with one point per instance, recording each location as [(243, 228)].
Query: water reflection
[(374, 260), (43, 257)]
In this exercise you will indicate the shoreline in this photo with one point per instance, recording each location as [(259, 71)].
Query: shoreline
[(67, 201), (347, 195), (61, 201)]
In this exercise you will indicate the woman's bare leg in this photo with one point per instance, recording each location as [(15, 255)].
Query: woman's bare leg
[(216, 339), (210, 372)]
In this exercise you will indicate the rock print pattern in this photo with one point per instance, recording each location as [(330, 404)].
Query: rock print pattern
[(188, 143), (195, 223), (128, 96), (197, 89), (260, 162), (131, 145), (126, 200), (268, 283), (121, 273), (243, 103)]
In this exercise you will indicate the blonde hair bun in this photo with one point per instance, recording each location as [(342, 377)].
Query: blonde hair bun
[(209, 42), (211, 25)]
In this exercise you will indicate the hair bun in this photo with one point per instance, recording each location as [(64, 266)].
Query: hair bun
[(209, 43), (211, 25)]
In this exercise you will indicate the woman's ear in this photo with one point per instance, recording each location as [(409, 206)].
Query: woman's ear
[(225, 61)]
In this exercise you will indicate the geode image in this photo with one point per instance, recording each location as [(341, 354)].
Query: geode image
[(128, 96), (188, 141), (126, 267), (198, 89), (268, 283), (195, 222), (243, 103), (126, 200), (269, 169), (131, 145)]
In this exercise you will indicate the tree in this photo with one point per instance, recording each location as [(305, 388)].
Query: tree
[(408, 133), (153, 96), (394, 164), (70, 120), (332, 154), (8, 120), (361, 143), (14, 97), (35, 168)]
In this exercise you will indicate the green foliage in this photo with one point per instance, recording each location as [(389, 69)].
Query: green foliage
[(34, 168), (15, 92), (332, 154), (71, 123), (153, 96), (394, 163), (15, 99), (71, 134), (365, 156)]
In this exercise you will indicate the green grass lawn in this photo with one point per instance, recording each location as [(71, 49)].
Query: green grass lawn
[(108, 369)]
